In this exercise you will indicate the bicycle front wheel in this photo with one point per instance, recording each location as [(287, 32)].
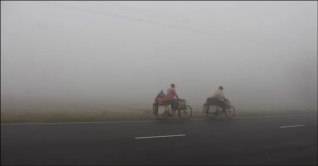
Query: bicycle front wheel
[(186, 113)]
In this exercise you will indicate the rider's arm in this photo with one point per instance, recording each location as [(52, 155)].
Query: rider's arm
[(175, 94)]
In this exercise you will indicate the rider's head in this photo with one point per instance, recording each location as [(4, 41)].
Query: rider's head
[(173, 86), (221, 87)]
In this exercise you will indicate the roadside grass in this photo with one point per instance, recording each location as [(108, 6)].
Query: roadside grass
[(121, 115)]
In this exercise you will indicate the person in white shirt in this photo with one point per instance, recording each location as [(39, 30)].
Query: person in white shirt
[(217, 99)]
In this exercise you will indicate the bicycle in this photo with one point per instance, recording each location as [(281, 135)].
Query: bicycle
[(229, 111), (184, 112)]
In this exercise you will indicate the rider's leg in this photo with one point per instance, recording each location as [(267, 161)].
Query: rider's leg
[(174, 105), (171, 110), (222, 105)]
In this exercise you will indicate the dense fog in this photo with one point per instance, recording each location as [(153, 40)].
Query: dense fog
[(263, 53)]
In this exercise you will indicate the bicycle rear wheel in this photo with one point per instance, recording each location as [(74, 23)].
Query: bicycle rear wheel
[(187, 113), (229, 113), (212, 111), (163, 115)]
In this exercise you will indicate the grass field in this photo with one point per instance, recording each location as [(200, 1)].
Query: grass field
[(50, 110), (10, 117)]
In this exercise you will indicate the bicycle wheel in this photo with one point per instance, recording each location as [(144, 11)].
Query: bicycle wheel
[(162, 115), (187, 113), (229, 113), (212, 111)]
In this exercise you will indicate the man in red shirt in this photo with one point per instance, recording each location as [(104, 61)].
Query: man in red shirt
[(171, 93)]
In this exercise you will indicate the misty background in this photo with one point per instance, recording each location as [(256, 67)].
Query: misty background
[(263, 53)]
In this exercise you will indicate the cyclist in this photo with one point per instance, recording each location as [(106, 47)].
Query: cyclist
[(171, 93), (218, 99)]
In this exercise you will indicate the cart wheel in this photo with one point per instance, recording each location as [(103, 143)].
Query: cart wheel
[(162, 116), (212, 111)]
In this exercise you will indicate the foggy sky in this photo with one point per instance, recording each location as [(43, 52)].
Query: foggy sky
[(263, 53)]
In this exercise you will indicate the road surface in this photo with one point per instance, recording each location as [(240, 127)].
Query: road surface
[(260, 140)]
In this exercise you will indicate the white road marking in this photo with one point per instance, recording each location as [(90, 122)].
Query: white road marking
[(143, 121), (164, 136), (291, 126)]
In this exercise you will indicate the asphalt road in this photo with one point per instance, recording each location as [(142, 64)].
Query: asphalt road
[(249, 141)]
